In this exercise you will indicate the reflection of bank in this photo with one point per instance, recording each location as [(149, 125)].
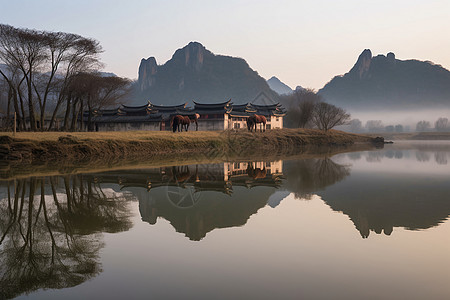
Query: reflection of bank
[(197, 199)]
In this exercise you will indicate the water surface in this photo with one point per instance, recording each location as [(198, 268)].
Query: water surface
[(371, 224)]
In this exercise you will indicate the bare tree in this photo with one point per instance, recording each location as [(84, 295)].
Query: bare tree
[(23, 49), (423, 126), (301, 107), (327, 116), (82, 57), (398, 128), (91, 92), (441, 124), (355, 125), (40, 64), (374, 126)]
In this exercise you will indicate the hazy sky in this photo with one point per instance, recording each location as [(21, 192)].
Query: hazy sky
[(301, 42)]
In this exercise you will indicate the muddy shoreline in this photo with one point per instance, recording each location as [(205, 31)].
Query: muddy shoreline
[(67, 150)]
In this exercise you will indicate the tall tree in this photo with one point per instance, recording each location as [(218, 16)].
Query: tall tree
[(327, 116), (441, 124), (81, 57), (41, 63), (93, 92), (301, 105), (423, 126), (23, 49)]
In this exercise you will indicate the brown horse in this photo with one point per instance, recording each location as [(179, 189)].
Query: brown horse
[(181, 174), (256, 173), (253, 120), (179, 122), (194, 118)]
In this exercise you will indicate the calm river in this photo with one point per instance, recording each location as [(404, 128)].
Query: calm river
[(360, 225)]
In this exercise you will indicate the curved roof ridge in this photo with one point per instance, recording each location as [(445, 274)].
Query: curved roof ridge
[(183, 105), (212, 104)]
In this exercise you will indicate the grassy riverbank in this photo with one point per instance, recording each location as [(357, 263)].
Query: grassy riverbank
[(27, 147)]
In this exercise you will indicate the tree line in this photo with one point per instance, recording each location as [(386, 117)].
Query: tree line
[(48, 79), (306, 109), (355, 125)]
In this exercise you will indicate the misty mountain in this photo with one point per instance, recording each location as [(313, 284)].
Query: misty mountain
[(195, 73), (386, 82), (278, 86), (107, 74)]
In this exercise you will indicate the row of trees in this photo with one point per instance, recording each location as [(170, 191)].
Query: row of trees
[(355, 125), (441, 124), (42, 72), (307, 110)]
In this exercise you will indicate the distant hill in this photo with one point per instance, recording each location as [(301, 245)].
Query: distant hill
[(279, 87), (386, 82), (195, 73)]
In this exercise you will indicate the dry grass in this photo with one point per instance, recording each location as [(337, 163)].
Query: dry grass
[(115, 135), (170, 136), (112, 147), (55, 168)]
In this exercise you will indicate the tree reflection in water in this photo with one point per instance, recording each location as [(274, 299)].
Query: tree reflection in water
[(50, 231), (307, 176), (50, 228)]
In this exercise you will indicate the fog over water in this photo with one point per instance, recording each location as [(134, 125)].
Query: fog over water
[(405, 118)]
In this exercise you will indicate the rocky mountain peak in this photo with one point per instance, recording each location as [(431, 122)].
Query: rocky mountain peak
[(391, 56), (362, 66), (195, 73), (192, 55), (383, 81), (278, 86), (147, 73)]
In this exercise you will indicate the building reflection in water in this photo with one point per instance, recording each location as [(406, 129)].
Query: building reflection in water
[(197, 199), (50, 227)]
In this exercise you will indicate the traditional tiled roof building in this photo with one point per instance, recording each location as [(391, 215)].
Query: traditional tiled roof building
[(212, 116)]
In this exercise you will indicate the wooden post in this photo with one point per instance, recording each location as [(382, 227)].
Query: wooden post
[(15, 123)]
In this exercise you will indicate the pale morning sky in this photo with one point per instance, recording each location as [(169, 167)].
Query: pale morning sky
[(301, 42)]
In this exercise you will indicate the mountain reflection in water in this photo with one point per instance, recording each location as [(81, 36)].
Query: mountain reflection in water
[(197, 199), (51, 227)]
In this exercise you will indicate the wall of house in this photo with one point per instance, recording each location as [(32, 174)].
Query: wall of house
[(240, 168), (211, 124), (154, 126), (275, 122), (203, 124), (237, 123)]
